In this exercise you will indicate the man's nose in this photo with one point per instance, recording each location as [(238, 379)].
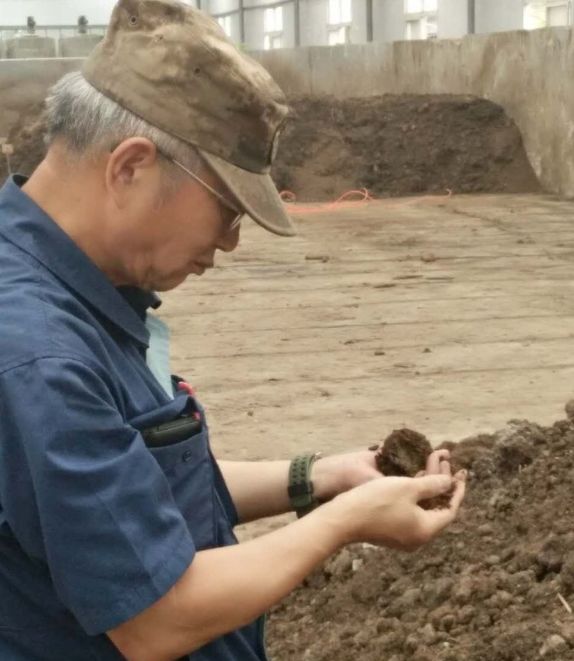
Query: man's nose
[(229, 241)]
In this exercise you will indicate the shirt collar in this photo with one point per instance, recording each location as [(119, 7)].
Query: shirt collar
[(140, 299), (26, 225)]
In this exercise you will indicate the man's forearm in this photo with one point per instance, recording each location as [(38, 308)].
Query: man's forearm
[(258, 488), (226, 588), (223, 589)]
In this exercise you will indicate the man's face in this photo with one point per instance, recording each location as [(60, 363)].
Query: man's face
[(163, 238)]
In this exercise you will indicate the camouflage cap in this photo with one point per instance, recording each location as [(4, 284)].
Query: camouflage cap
[(173, 66)]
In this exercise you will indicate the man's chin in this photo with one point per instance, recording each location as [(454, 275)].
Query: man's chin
[(197, 269), (167, 284), (171, 282)]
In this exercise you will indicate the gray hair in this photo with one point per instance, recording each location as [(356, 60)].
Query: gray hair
[(90, 123)]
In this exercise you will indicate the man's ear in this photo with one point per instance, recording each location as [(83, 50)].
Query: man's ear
[(131, 161)]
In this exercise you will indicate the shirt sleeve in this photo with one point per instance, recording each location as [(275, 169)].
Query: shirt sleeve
[(82, 493)]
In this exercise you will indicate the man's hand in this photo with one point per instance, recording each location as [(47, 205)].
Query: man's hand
[(338, 473), (386, 511)]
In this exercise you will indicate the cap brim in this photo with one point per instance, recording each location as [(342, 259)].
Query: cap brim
[(256, 193)]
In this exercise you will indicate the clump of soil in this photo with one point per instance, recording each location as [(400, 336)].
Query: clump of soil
[(397, 145), (498, 584), (404, 452)]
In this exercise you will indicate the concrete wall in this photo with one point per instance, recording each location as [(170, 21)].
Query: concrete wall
[(452, 19), (24, 83), (314, 22), (389, 20), (497, 16), (79, 46), (525, 72), (31, 46), (359, 25)]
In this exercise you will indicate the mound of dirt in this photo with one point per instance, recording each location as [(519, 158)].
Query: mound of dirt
[(27, 138), (498, 585), (400, 145), (391, 145)]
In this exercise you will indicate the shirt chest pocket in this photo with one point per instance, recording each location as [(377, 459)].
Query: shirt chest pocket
[(183, 455)]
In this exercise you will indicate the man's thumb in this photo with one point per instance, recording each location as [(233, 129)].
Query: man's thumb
[(430, 486)]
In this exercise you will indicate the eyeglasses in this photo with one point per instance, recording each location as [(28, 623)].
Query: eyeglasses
[(236, 222)]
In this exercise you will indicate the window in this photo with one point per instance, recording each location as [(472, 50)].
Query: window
[(339, 35), (273, 20), (431, 27), (272, 41), (422, 28), (421, 20), (340, 12), (225, 22), (273, 28), (421, 6), (546, 13), (557, 15), (413, 30), (340, 17)]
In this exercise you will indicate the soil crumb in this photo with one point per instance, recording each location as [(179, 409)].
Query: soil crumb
[(496, 586)]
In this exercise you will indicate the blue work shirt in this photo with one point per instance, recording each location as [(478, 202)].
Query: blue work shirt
[(95, 526)]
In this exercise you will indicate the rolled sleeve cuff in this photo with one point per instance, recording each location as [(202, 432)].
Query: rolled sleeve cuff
[(177, 561)]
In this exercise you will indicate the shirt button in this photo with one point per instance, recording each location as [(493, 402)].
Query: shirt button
[(187, 455)]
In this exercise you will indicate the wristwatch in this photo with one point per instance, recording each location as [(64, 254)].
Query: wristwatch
[(300, 489)]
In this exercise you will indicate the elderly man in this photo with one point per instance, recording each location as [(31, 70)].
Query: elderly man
[(116, 536)]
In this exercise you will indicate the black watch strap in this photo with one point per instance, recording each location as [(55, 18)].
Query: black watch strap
[(300, 489)]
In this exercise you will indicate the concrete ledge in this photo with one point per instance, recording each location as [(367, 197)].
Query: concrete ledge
[(80, 45), (31, 45)]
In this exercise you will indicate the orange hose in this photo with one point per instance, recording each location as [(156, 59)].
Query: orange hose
[(365, 197)]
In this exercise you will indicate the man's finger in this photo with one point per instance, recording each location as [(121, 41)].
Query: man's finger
[(445, 468), (436, 520), (459, 491), (434, 460), (430, 486)]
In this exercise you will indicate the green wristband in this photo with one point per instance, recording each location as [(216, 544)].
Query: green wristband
[(300, 489)]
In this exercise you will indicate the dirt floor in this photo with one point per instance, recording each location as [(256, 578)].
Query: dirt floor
[(390, 145), (400, 145), (447, 315)]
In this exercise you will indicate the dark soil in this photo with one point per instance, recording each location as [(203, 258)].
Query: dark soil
[(27, 138), (391, 145), (401, 145), (488, 589), (404, 452)]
